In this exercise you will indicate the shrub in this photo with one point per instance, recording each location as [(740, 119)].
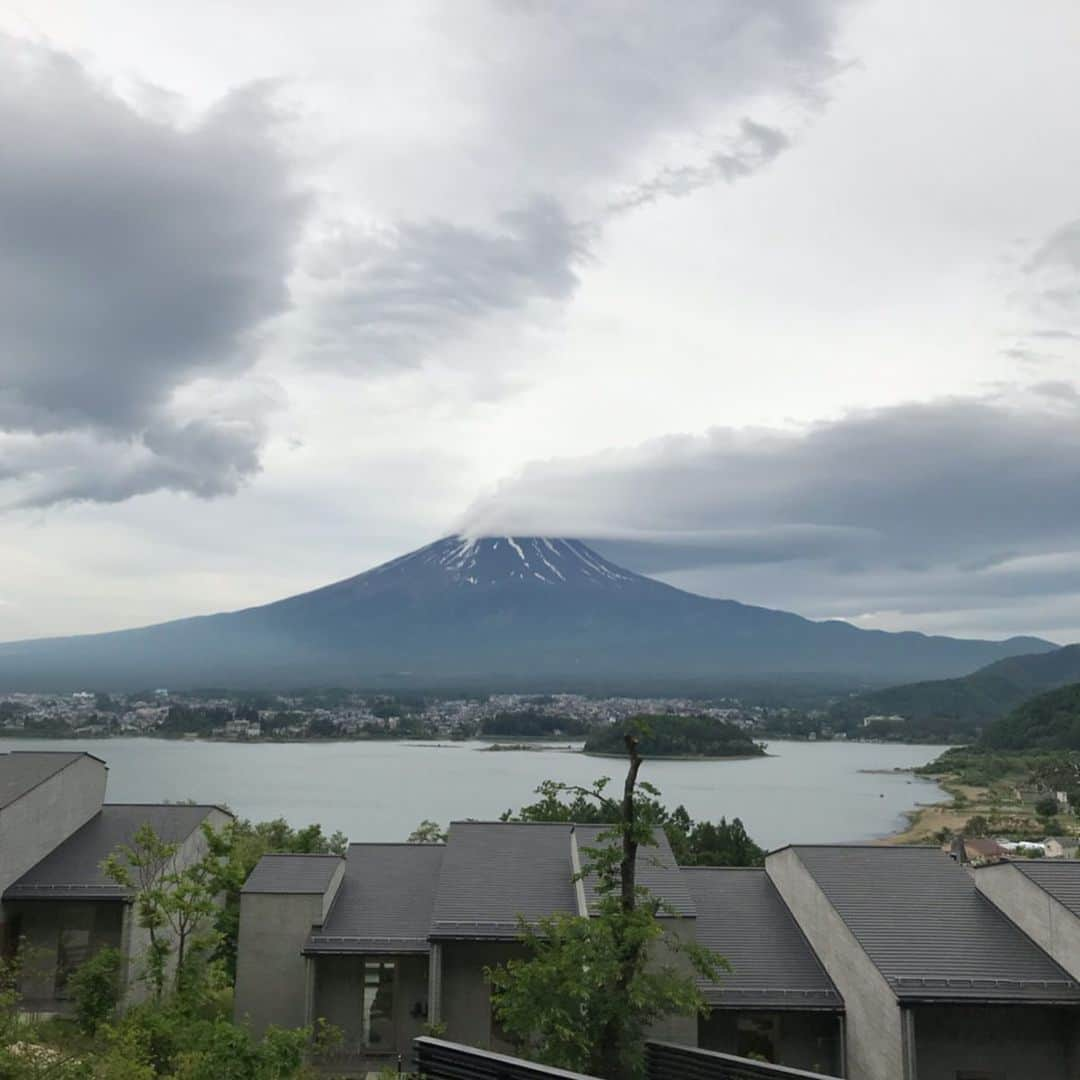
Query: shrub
[(96, 989), (1046, 806)]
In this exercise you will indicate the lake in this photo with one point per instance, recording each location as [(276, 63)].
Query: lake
[(804, 792)]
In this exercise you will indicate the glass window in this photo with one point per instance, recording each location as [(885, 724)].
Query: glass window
[(757, 1037), (378, 1004)]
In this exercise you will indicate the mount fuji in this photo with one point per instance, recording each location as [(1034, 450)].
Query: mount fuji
[(526, 612)]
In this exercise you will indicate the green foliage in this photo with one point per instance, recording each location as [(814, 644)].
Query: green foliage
[(173, 902), (1046, 806), (95, 987), (677, 736), (701, 843), (1050, 721), (428, 832), (530, 722), (589, 987)]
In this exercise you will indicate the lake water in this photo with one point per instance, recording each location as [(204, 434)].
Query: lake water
[(803, 792)]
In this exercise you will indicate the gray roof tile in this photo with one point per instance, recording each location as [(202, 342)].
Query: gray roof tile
[(22, 770), (656, 870), (1059, 877), (929, 931), (384, 902), (492, 872), (287, 873), (74, 868), (741, 916)]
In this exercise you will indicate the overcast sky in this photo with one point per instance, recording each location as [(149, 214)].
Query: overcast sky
[(775, 299)]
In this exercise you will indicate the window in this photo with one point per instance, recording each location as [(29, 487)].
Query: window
[(378, 1004), (758, 1035)]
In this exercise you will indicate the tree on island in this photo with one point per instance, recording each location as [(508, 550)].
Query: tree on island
[(590, 986)]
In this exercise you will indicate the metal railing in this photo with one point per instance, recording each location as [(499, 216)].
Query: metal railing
[(436, 1059), (667, 1061)]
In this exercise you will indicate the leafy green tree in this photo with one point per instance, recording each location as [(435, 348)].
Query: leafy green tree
[(702, 843), (95, 986), (428, 832), (1046, 806), (589, 986), (174, 903)]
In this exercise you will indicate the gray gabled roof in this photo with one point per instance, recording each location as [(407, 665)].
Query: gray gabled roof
[(384, 902), (22, 770), (657, 870), (73, 870), (741, 916), (494, 872), (289, 873), (1059, 877), (928, 930)]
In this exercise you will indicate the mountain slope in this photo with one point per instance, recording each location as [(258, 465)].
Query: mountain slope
[(508, 610), (976, 699), (1050, 721)]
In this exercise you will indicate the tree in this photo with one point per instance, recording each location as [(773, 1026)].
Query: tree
[(1047, 806), (173, 902), (428, 832), (701, 843), (589, 986), (237, 848)]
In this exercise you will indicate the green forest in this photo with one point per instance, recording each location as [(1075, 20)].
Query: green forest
[(677, 736)]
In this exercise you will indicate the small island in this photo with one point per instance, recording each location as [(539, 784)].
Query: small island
[(683, 737)]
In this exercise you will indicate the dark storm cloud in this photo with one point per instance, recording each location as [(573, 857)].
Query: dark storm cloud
[(391, 297), (941, 493), (135, 257)]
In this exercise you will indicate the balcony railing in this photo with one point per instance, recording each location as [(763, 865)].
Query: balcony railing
[(435, 1059), (667, 1061)]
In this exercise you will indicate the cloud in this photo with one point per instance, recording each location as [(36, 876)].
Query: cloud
[(598, 111), (137, 257), (756, 146), (1049, 294), (390, 297), (959, 495)]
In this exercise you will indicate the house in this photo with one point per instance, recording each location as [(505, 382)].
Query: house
[(1062, 847), (976, 850), (777, 1000), (1042, 896), (397, 936), (872, 962), (938, 983), (56, 905)]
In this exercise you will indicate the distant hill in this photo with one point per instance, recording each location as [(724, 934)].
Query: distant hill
[(1050, 721), (964, 705), (514, 612), (678, 736)]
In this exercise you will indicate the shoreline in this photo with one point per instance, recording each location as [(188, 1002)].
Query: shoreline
[(682, 757)]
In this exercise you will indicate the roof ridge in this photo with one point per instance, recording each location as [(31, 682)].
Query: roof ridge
[(301, 855), (393, 843)]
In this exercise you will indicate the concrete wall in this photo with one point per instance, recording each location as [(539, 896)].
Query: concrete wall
[(466, 995), (676, 1028), (1046, 921), (804, 1040), (45, 816), (271, 973), (875, 1045), (1017, 1042)]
